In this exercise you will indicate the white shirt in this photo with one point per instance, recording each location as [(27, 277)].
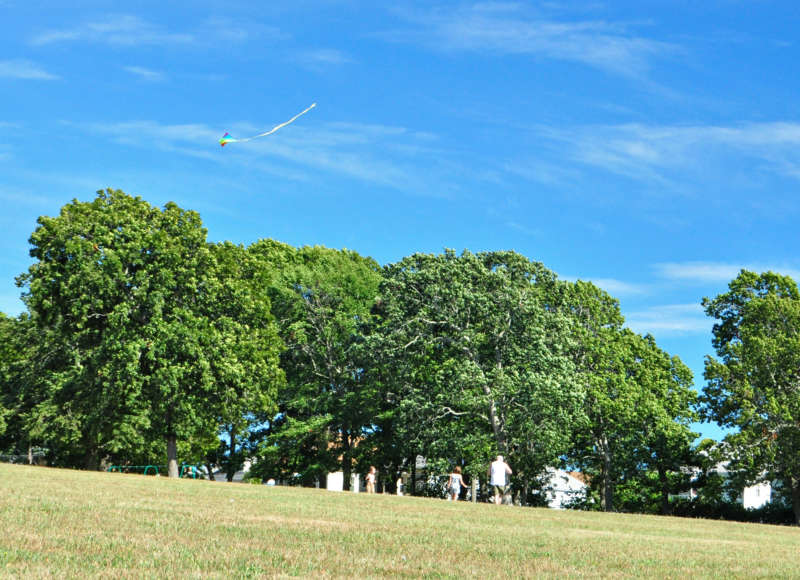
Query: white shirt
[(499, 473)]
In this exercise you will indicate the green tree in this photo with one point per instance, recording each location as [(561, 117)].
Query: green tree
[(639, 404), (323, 298), (131, 294), (22, 359), (754, 384), (245, 360), (481, 358)]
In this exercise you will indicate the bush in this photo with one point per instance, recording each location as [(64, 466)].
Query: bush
[(771, 513)]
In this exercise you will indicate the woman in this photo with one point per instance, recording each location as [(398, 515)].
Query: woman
[(454, 484)]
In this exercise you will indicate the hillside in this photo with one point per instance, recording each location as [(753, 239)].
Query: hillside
[(63, 523)]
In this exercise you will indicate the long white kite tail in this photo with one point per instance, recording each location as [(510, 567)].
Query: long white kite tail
[(226, 138)]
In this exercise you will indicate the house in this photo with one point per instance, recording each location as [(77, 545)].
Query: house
[(563, 487), (751, 497)]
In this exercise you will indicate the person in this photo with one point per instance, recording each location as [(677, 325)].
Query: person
[(498, 480), (454, 484), (371, 476)]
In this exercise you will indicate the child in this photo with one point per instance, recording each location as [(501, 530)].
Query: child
[(371, 476), (455, 484)]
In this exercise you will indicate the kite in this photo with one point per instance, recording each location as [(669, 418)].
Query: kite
[(226, 138)]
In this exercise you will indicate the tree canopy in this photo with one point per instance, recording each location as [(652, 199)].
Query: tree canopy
[(143, 340), (754, 384)]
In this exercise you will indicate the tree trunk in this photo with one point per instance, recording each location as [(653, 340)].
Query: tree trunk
[(796, 499), (413, 475), (232, 463), (666, 508), (30, 454), (346, 464), (499, 432), (91, 460), (608, 483), (172, 455), (497, 428)]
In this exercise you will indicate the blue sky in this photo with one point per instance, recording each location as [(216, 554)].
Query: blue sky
[(651, 147)]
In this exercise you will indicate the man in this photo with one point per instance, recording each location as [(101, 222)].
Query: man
[(499, 482)]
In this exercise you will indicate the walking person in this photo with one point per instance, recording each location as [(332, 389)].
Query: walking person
[(498, 472), (454, 484), (371, 477)]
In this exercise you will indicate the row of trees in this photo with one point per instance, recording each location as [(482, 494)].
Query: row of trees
[(142, 340)]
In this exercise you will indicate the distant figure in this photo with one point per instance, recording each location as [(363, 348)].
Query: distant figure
[(455, 484), (399, 486), (499, 482), (371, 476)]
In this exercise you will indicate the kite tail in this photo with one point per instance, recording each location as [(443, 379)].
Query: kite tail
[(226, 138)]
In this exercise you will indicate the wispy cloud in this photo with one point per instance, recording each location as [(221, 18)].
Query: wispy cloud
[(648, 152), (145, 73), (128, 30), (716, 272), (376, 154), (614, 286), (115, 30), (669, 319), (512, 28), (323, 58), (620, 288), (24, 69)]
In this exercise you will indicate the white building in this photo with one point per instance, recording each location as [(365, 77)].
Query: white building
[(563, 487), (335, 482)]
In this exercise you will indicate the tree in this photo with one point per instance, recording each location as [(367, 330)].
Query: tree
[(132, 295), (638, 404), (323, 298), (21, 360), (754, 384), (481, 359), (245, 359)]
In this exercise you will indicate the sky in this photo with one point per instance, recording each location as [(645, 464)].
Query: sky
[(652, 148)]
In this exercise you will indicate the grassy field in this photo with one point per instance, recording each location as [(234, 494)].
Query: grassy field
[(61, 523)]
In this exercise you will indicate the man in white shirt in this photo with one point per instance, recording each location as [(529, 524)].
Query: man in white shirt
[(499, 482)]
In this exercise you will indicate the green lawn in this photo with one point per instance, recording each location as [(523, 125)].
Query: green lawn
[(61, 523)]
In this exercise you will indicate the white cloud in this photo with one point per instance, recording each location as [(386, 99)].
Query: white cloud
[(669, 319), (116, 30), (619, 288), (377, 154), (24, 69), (145, 73), (505, 28), (651, 152), (613, 286), (323, 57), (716, 272)]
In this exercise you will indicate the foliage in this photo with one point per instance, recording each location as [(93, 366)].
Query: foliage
[(323, 298), (755, 383), (480, 360), (135, 301), (639, 403)]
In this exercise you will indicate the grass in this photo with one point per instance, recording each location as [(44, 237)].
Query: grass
[(61, 523)]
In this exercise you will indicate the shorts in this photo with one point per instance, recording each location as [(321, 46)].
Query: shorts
[(500, 489)]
